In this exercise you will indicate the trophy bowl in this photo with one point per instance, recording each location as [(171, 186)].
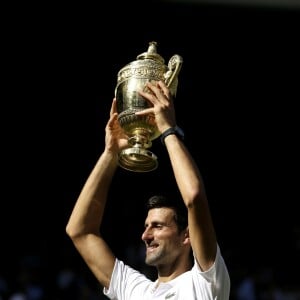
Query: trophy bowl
[(142, 130)]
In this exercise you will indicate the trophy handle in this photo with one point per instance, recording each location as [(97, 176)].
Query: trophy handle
[(174, 67)]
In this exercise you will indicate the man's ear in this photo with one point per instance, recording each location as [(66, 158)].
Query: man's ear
[(187, 236)]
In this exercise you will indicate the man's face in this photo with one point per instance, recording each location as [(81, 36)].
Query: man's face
[(163, 241)]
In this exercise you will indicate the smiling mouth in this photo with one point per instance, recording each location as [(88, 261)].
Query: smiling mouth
[(151, 248)]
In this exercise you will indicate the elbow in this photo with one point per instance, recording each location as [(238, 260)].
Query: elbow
[(194, 196), (72, 232), (78, 232), (76, 237)]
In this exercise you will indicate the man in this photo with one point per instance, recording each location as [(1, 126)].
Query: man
[(169, 239)]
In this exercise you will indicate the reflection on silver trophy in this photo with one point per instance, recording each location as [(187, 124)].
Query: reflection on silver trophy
[(141, 130)]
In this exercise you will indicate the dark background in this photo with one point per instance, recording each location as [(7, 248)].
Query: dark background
[(237, 101)]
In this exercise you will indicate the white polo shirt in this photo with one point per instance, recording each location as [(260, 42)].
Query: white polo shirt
[(129, 284)]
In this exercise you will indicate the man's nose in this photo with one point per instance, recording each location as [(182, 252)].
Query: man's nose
[(147, 234)]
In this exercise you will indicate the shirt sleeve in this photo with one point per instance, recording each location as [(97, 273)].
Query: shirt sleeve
[(126, 282), (217, 275)]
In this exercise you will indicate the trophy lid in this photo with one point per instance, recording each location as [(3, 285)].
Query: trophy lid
[(151, 53)]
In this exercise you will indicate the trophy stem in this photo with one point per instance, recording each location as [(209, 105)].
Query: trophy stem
[(141, 137)]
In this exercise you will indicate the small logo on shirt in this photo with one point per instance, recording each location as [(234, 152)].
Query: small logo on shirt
[(170, 295)]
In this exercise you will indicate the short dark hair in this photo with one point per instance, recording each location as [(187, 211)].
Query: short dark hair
[(180, 216)]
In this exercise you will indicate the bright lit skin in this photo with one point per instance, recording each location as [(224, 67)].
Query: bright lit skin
[(166, 247)]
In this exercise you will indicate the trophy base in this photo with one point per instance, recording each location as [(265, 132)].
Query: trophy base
[(138, 160)]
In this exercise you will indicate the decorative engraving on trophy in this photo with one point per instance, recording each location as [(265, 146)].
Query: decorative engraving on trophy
[(140, 72)]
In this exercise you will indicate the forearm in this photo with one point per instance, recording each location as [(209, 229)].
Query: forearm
[(186, 171), (88, 211), (191, 186)]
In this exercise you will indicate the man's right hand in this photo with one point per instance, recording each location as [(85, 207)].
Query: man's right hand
[(115, 137)]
